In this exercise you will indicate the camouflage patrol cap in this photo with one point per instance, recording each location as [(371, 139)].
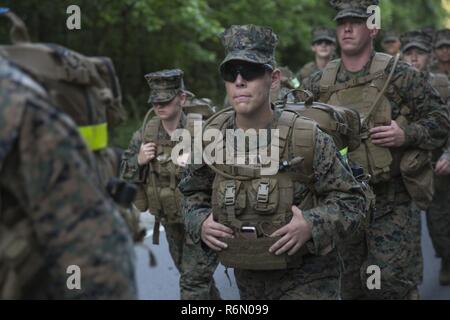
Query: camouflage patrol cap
[(352, 8), (164, 85), (322, 33), (416, 39), (390, 36), (249, 43), (442, 37)]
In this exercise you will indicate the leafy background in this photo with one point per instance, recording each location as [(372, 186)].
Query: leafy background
[(142, 36)]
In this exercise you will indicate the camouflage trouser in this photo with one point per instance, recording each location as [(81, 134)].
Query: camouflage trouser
[(309, 282), (392, 242), (438, 217), (195, 265)]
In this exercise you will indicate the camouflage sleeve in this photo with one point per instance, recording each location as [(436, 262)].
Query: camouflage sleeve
[(428, 122), (196, 187), (75, 221), (341, 209), (130, 170), (446, 153), (312, 84)]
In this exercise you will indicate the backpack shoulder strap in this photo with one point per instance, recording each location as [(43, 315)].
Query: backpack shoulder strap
[(329, 73), (379, 62), (150, 129), (441, 84), (191, 119), (303, 143)]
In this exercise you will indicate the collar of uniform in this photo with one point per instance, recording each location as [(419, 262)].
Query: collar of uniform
[(273, 125), (344, 75), (181, 125)]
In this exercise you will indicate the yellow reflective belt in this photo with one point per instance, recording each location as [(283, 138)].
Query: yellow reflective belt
[(344, 152), (95, 136)]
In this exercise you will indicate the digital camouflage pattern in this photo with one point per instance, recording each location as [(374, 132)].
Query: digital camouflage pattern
[(427, 129), (322, 33), (340, 213), (442, 38), (352, 8), (164, 85), (249, 43), (195, 266), (50, 193), (416, 39), (390, 36)]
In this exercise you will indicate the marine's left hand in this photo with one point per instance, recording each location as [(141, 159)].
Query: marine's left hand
[(388, 136), (293, 235)]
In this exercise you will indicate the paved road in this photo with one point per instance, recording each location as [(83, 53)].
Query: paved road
[(161, 282)]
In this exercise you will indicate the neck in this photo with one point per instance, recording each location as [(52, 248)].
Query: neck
[(259, 119), (170, 125), (444, 66), (322, 62), (355, 63)]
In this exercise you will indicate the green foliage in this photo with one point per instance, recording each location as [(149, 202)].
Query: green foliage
[(142, 36)]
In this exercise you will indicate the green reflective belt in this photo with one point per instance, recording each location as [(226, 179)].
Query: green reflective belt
[(95, 136)]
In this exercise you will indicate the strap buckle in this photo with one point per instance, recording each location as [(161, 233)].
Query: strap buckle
[(230, 195), (263, 192)]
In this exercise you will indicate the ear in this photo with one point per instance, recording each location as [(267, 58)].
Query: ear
[(275, 78), (313, 48), (374, 32), (183, 98)]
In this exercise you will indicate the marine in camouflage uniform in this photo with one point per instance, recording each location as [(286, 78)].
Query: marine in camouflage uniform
[(54, 213), (287, 83), (391, 43), (393, 237), (324, 46), (342, 201), (196, 267), (417, 47), (442, 52)]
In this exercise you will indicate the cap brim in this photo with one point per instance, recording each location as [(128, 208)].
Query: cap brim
[(442, 43), (390, 39), (247, 55), (351, 14), (333, 40), (416, 45), (162, 95)]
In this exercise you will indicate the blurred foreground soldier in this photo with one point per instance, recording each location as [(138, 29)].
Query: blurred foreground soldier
[(416, 47), (323, 46), (442, 52), (148, 163), (391, 43), (87, 90), (403, 119), (252, 219), (54, 213)]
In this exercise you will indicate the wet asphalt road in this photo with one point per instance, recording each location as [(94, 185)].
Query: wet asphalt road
[(161, 282)]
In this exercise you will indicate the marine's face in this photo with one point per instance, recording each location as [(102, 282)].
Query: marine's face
[(354, 36), (323, 49), (443, 53), (248, 94), (417, 58), (391, 47), (171, 109)]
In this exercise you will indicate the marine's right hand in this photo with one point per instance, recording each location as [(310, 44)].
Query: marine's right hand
[(212, 230), (147, 153)]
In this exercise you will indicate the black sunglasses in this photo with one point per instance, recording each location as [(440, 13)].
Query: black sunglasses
[(320, 42), (249, 71)]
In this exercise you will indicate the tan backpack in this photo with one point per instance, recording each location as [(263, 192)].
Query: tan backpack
[(86, 88)]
